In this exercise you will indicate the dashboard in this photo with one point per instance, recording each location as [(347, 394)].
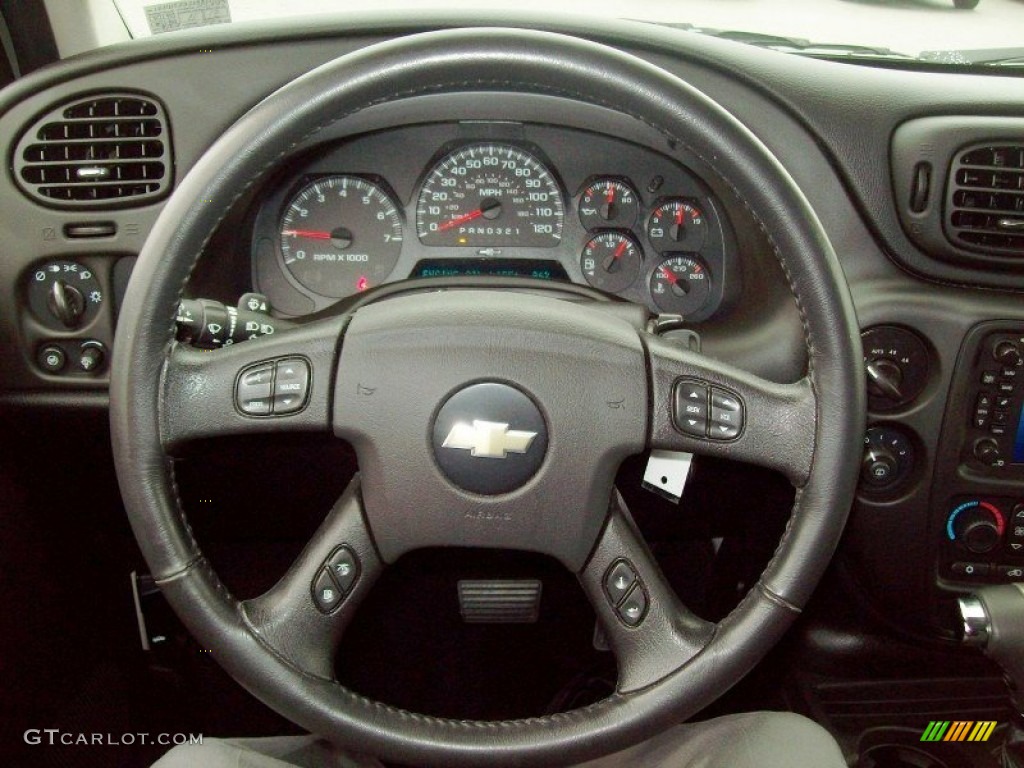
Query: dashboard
[(493, 198), (537, 187)]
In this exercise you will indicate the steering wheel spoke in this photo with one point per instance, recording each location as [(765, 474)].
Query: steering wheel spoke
[(704, 406), (304, 615), (282, 382), (650, 630)]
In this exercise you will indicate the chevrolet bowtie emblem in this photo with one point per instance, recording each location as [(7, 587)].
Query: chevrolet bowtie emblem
[(488, 439)]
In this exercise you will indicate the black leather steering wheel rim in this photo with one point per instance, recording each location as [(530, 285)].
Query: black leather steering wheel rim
[(486, 60)]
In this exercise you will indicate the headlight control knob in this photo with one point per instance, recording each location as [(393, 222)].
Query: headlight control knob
[(64, 295), (66, 303)]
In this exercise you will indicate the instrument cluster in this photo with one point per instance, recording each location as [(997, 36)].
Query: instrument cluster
[(498, 199)]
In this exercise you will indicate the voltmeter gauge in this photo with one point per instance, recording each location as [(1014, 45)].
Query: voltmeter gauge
[(677, 225), (681, 285), (608, 203), (611, 261)]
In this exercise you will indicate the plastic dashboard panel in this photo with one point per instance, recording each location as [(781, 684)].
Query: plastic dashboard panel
[(830, 125)]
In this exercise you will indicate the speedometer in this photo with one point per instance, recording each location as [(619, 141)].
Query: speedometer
[(490, 195)]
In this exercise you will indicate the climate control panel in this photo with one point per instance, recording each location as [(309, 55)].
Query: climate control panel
[(983, 540)]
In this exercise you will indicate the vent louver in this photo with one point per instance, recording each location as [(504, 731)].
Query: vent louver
[(111, 150), (985, 202)]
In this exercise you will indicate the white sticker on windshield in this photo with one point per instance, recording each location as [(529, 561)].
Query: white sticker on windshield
[(184, 14)]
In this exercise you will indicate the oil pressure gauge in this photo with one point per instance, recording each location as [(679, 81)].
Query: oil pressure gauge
[(608, 203)]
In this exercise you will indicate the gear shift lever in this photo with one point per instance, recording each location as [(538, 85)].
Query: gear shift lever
[(993, 620)]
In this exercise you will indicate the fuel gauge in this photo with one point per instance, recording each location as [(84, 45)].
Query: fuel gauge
[(611, 261), (680, 285)]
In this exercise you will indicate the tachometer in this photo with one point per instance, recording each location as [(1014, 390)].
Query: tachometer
[(490, 195), (340, 235)]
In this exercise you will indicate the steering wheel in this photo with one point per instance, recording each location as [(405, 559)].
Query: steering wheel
[(488, 419)]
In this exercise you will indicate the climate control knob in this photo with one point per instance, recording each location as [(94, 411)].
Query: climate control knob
[(977, 526)]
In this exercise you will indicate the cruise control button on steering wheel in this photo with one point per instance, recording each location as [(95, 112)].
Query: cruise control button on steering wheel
[(489, 438)]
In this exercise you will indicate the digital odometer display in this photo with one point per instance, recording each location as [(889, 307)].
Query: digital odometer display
[(490, 195), (539, 269)]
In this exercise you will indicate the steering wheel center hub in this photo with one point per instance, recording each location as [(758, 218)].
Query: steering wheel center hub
[(489, 438)]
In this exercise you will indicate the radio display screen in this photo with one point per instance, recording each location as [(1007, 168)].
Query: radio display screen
[(1018, 441)]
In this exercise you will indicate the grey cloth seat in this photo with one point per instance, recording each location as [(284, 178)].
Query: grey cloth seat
[(754, 740)]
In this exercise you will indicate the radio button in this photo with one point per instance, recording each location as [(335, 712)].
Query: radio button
[(988, 378), (986, 451)]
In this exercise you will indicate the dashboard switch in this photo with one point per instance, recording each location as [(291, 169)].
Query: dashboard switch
[(987, 452), (726, 415), (691, 408), (52, 359), (344, 567), (291, 385), (970, 570), (1010, 573), (92, 357), (326, 594), (618, 582), (634, 607), (253, 390)]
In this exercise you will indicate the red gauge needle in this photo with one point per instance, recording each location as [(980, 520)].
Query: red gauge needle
[(611, 263), (312, 234), (669, 275), (679, 215), (460, 220), (610, 196)]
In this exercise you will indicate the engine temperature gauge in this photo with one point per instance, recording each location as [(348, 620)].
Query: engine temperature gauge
[(676, 225), (611, 261), (681, 285)]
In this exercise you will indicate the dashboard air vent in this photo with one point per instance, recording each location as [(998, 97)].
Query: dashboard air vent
[(111, 150), (985, 202)]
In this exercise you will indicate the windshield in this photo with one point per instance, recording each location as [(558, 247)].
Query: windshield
[(959, 29)]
